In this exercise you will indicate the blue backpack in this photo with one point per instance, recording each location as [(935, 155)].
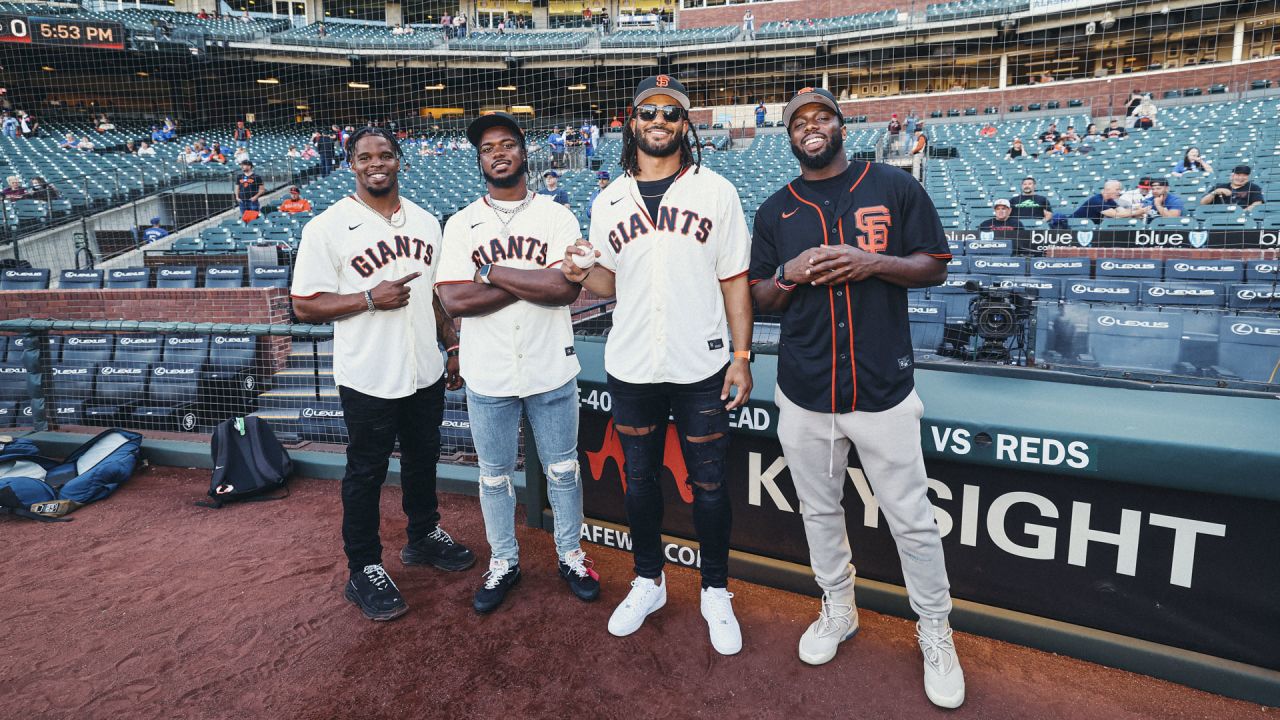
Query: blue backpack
[(41, 488)]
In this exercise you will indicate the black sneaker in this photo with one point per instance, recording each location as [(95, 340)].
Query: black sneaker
[(502, 576), (375, 594), (438, 550), (576, 569)]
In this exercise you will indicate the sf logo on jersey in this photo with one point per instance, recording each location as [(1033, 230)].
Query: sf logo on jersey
[(873, 224), (517, 247), (375, 256), (670, 219)]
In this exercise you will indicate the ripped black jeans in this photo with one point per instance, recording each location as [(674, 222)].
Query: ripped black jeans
[(640, 415)]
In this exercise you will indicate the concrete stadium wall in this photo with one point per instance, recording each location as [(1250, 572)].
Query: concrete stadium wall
[(243, 305)]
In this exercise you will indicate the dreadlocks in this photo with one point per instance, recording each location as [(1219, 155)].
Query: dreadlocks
[(630, 160)]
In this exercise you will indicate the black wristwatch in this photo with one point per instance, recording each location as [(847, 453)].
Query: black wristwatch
[(780, 278)]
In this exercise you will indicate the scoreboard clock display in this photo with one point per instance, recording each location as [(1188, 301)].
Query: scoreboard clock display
[(61, 31)]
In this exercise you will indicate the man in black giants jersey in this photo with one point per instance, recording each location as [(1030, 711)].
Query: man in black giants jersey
[(834, 252)]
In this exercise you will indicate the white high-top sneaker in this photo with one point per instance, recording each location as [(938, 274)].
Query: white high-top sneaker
[(943, 677), (646, 597), (717, 609), (837, 622)]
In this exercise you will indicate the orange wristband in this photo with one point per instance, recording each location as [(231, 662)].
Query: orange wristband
[(742, 354)]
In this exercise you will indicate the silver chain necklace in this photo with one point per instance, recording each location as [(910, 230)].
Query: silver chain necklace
[(509, 213), (391, 221)]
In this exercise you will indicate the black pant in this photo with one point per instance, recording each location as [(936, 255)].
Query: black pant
[(699, 413), (373, 424)]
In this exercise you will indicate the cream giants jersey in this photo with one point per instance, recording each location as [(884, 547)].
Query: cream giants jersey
[(522, 349), (669, 324), (350, 249)]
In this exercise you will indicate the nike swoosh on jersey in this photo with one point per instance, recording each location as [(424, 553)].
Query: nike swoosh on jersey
[(787, 215), (615, 202), (473, 227), (353, 227)]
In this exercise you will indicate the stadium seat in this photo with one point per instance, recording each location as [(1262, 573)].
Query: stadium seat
[(1249, 347), (1179, 223), (170, 402), (271, 276), (231, 378), (1135, 340), (955, 297), (928, 319), (1046, 288), (989, 246), (118, 389), (13, 381), (1074, 267), (176, 276), (994, 265), (84, 350), (1227, 271), (80, 280), (138, 349), (129, 278), (1262, 271), (24, 279), (1253, 296), (1110, 267), (958, 265), (1101, 290), (1204, 294), (186, 246), (224, 276), (186, 350)]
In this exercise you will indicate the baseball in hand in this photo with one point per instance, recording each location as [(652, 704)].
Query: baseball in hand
[(587, 260)]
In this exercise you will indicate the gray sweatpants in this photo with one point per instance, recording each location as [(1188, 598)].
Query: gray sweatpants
[(816, 446)]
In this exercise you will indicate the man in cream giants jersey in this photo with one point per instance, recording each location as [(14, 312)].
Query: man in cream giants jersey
[(366, 264), (497, 271), (673, 247)]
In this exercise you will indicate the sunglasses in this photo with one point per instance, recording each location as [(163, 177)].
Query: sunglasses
[(670, 113)]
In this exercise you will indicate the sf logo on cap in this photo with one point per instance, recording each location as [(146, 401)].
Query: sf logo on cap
[(663, 81), (805, 90)]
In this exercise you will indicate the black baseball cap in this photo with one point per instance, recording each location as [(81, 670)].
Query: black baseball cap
[(1242, 170), (1159, 181), (661, 85), (497, 119), (807, 96)]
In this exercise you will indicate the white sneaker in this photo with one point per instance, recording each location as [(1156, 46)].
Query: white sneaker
[(645, 597), (943, 677), (717, 608), (837, 622)]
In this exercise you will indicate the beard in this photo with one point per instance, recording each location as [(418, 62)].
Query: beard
[(817, 162), (667, 149), (383, 191), (510, 181)]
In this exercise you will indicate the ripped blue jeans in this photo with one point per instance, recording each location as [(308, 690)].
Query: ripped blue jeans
[(640, 415), (495, 428)]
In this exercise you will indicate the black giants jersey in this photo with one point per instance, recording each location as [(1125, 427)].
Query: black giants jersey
[(847, 347)]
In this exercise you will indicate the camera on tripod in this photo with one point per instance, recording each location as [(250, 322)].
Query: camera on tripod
[(1000, 327)]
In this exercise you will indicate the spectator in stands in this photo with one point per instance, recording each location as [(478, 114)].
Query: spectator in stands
[(1028, 204), (130, 148), (309, 152), (241, 134), (157, 135), (1003, 220), (1102, 205), (1135, 99), (573, 146), (105, 124), (760, 111), (1070, 135), (324, 145), (155, 232), (69, 142), (28, 125), (1237, 192), (1162, 203), (1192, 162), (145, 149), (1145, 114), (85, 145), (170, 130), (555, 144), (615, 124), (249, 188), (894, 127), (551, 186), (295, 202), (1051, 135), (602, 182), (919, 142), (1059, 148), (912, 123), (240, 155), (244, 16), (14, 190), (42, 190), (1134, 200), (188, 156), (1091, 133), (1114, 131), (321, 32), (9, 126), (446, 24), (215, 155), (202, 15), (749, 29), (460, 26), (987, 131)]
